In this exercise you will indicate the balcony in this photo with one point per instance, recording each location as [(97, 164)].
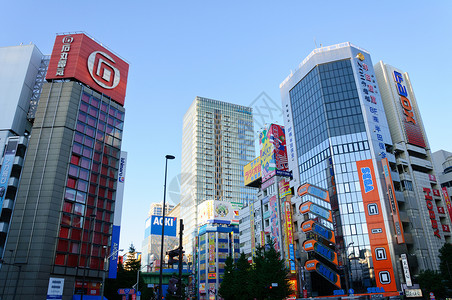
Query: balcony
[(401, 161), (399, 196), (395, 176), (8, 204), (405, 176), (422, 164), (417, 149), (391, 157), (4, 227)]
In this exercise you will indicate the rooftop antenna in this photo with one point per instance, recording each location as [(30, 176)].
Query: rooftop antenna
[(315, 43)]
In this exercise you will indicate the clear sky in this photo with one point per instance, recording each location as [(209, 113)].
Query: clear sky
[(233, 51)]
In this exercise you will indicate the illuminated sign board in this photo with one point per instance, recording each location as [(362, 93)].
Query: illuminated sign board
[(170, 225), (324, 271), (273, 152), (431, 211), (284, 188), (313, 191), (309, 207), (322, 250), (323, 232), (412, 128), (289, 235), (79, 57), (377, 233)]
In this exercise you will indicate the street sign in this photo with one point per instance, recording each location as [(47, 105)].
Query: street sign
[(126, 291)]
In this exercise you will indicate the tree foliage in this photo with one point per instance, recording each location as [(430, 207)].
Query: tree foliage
[(267, 278), (440, 283), (127, 278)]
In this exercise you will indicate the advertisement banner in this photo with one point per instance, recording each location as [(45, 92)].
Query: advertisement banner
[(375, 223), (7, 166), (289, 236), (447, 200), (392, 201), (284, 188), (77, 56), (274, 222), (252, 171), (277, 137), (213, 211), (268, 163), (170, 225), (114, 252)]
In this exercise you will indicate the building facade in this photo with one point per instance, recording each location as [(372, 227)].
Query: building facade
[(442, 161), (424, 206), (217, 142), (62, 225), (340, 141)]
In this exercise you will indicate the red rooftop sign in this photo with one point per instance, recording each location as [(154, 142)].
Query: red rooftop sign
[(77, 56)]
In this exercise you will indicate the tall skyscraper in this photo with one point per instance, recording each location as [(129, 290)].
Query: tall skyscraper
[(339, 139), (217, 142), (69, 197)]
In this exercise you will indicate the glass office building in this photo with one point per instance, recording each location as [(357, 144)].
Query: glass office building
[(217, 142), (338, 138)]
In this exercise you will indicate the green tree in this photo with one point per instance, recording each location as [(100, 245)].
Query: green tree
[(227, 285), (269, 270), (242, 269), (127, 278), (445, 265), (431, 281)]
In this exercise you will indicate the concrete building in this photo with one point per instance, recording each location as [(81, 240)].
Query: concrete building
[(343, 137), (217, 142), (67, 204), (153, 235), (428, 226)]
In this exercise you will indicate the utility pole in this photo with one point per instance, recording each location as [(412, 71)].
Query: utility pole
[(181, 254)]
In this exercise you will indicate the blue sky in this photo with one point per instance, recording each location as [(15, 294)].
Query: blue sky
[(233, 51)]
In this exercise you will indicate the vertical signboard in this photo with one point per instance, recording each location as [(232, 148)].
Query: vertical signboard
[(393, 202), (381, 257), (373, 109), (447, 200), (289, 235), (7, 166), (410, 121), (274, 220), (268, 163), (277, 138), (252, 232), (113, 261), (431, 211)]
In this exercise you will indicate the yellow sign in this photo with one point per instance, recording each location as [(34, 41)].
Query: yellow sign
[(252, 171)]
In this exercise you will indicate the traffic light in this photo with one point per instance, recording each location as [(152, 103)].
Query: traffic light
[(173, 256), (172, 288)]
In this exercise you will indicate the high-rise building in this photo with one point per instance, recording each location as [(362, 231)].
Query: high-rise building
[(22, 72), (424, 205), (153, 234), (355, 234), (62, 228), (217, 142)]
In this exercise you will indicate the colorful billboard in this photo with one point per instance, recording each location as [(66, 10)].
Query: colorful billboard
[(392, 201), (289, 236), (212, 211), (170, 225), (413, 130), (79, 57), (252, 171), (381, 257), (284, 188), (273, 152)]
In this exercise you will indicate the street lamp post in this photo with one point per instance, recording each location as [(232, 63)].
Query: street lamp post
[(348, 279), (106, 268), (138, 279), (163, 227)]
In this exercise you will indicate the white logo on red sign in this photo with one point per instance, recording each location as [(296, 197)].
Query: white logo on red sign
[(102, 70)]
